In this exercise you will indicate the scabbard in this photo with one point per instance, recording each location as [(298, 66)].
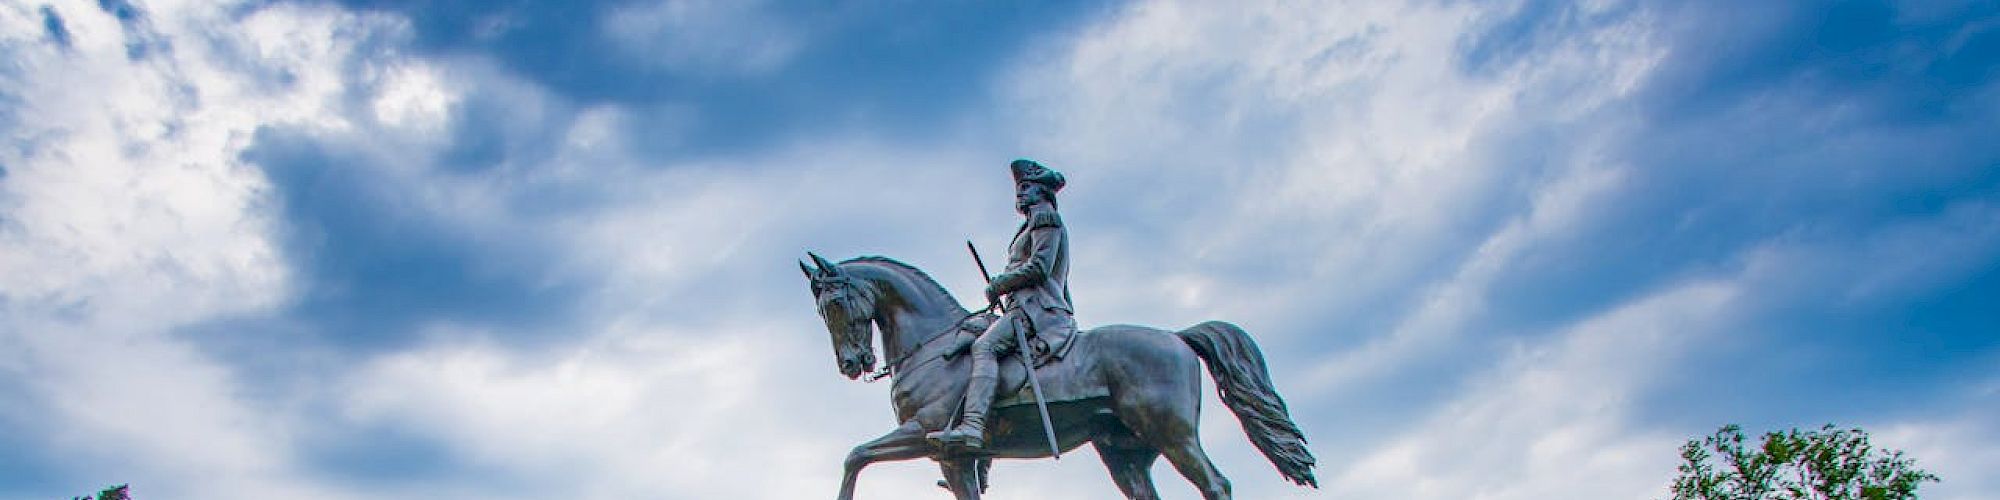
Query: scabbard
[(1024, 352)]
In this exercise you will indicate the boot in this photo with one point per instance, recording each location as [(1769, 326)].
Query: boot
[(970, 434)]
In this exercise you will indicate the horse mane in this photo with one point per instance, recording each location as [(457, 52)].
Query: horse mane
[(921, 275)]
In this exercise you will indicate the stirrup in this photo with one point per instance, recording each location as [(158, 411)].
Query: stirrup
[(959, 438)]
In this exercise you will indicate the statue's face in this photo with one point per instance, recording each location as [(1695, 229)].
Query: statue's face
[(1028, 194), (849, 321)]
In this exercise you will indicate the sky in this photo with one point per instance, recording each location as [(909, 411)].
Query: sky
[(502, 249)]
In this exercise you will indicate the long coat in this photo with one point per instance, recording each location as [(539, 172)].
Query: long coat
[(1036, 279)]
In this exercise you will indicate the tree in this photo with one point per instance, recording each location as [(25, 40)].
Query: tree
[(1825, 464), (119, 492)]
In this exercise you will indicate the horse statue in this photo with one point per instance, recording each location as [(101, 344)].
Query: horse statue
[(1133, 392)]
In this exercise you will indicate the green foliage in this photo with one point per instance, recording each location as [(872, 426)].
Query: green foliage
[(119, 492), (1824, 464)]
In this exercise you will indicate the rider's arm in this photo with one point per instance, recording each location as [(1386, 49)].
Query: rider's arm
[(1045, 237)]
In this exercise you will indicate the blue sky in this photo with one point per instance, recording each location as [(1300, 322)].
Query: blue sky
[(534, 250)]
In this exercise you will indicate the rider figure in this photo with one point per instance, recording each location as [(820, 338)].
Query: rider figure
[(1036, 286)]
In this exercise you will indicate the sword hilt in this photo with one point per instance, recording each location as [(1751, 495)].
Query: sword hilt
[(983, 274)]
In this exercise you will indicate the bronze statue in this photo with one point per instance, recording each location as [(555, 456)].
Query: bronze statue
[(1131, 391)]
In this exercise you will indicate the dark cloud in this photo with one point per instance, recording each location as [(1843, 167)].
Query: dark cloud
[(1826, 126), (1845, 341), (1528, 32), (29, 463), (1775, 147), (123, 10), (52, 25), (385, 456), (911, 71), (375, 264), (141, 40), (1875, 56), (493, 128)]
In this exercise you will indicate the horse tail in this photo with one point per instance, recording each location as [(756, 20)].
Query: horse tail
[(1245, 384)]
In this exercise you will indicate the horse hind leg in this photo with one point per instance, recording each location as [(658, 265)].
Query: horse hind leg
[(1173, 434), (1168, 418), (1166, 413), (1188, 458), (1131, 468)]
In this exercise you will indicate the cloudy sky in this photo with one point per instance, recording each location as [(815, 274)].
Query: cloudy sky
[(1500, 250)]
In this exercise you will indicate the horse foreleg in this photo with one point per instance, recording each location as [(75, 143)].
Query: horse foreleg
[(961, 476), (904, 443), (985, 474)]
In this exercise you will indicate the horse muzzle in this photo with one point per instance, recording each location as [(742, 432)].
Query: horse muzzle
[(854, 366)]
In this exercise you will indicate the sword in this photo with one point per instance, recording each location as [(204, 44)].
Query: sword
[(1021, 351)]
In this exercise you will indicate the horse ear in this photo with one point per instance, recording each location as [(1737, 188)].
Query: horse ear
[(824, 267), (804, 269)]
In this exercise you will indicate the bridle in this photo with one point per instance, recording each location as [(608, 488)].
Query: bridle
[(838, 290), (889, 369)]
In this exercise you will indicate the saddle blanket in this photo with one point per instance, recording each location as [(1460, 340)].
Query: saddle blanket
[(1070, 379)]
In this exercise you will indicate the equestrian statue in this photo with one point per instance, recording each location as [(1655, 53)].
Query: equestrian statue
[(1132, 392)]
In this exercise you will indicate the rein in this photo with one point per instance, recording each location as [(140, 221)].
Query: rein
[(889, 369)]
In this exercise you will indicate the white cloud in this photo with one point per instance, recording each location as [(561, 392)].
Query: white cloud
[(700, 36), (1553, 420), (413, 97), (1958, 448), (1449, 310), (1348, 131), (128, 215), (623, 413)]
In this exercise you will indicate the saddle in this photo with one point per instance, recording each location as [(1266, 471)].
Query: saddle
[(1046, 349), (1063, 369)]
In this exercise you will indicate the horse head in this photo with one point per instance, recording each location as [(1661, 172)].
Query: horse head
[(848, 308)]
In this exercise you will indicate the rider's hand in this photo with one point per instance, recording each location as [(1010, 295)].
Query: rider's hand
[(993, 296), (959, 346)]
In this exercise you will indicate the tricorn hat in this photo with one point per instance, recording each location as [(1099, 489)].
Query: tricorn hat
[(1026, 170)]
